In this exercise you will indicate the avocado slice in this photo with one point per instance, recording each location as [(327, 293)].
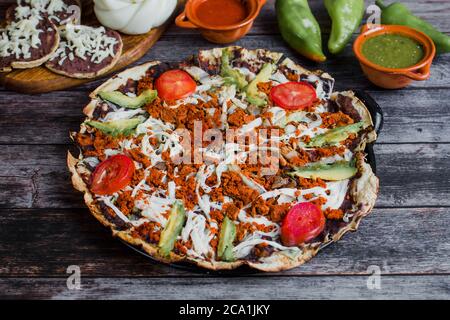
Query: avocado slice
[(339, 170), (230, 75), (117, 127), (253, 95), (226, 238), (336, 135), (125, 101), (173, 229)]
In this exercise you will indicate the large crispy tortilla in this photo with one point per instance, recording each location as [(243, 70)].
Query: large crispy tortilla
[(363, 189)]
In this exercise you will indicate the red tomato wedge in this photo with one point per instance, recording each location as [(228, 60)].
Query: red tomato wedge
[(175, 84), (112, 175), (304, 222), (293, 95)]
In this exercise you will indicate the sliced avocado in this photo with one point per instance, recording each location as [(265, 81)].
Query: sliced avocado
[(125, 101), (226, 238), (335, 135), (339, 170), (230, 75), (117, 127), (253, 95), (173, 229)]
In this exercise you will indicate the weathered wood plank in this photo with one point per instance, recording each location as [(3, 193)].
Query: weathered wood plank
[(410, 116), (414, 116), (434, 11), (292, 288), (42, 243), (411, 175), (45, 119), (172, 46)]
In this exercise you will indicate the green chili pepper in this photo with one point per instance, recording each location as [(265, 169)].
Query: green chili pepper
[(398, 13), (346, 16), (299, 28)]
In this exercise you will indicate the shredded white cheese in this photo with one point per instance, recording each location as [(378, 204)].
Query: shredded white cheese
[(155, 205), (108, 201), (122, 113), (244, 248), (197, 230), (20, 37), (338, 190), (27, 8), (87, 43)]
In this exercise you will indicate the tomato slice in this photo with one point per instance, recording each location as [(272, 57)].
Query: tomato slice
[(293, 95), (112, 175), (175, 84), (304, 222)]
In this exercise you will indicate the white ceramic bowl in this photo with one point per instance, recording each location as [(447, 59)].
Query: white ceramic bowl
[(133, 16)]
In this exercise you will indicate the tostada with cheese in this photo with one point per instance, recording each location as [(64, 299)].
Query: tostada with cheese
[(85, 52), (59, 12), (46, 32), (27, 43), (30, 36), (232, 157)]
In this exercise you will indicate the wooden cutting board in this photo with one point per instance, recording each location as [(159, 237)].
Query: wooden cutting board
[(40, 79)]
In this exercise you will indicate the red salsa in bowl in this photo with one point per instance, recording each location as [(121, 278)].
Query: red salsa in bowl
[(220, 21), (221, 13)]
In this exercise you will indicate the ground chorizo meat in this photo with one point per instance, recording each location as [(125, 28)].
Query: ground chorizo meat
[(305, 183), (265, 87), (319, 202), (332, 120), (125, 202), (239, 117), (333, 214), (319, 153), (148, 232), (217, 215), (94, 144), (185, 115), (137, 155), (187, 193), (270, 208), (182, 248), (231, 210), (146, 83), (234, 187)]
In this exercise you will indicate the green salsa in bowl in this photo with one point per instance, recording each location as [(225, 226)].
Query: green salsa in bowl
[(393, 51), (393, 56)]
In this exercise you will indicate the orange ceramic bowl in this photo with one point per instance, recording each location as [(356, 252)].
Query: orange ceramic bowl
[(395, 78), (223, 34)]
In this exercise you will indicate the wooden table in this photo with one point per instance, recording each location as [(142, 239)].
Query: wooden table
[(45, 227)]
